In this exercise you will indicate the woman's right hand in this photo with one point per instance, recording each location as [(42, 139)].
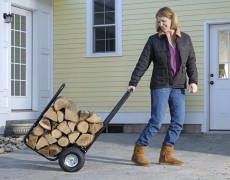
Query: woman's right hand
[(131, 88)]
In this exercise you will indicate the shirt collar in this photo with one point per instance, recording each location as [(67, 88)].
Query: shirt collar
[(178, 33)]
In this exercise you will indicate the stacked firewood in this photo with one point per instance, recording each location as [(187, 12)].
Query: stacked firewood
[(61, 125)]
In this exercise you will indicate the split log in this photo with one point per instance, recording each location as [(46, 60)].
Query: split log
[(51, 114), (94, 118), (38, 130), (83, 127), (56, 133), (63, 127), (84, 115), (60, 116), (60, 103), (94, 128), (73, 136), (72, 125), (84, 140), (42, 142), (50, 139), (44, 151), (32, 140), (63, 141), (45, 123), (71, 115), (54, 150)]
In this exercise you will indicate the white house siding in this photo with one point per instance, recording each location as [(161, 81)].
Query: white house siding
[(98, 83)]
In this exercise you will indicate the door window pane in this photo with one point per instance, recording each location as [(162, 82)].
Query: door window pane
[(18, 56), (224, 54)]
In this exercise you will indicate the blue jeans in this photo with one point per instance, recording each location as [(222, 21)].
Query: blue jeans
[(175, 98)]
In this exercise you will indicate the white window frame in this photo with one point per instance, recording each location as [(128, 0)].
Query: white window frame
[(89, 30)]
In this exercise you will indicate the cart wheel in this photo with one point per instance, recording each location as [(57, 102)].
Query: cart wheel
[(71, 159)]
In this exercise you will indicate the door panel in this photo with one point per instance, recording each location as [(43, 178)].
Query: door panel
[(21, 59), (220, 77)]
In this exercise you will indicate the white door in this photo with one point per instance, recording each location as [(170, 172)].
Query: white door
[(21, 59), (220, 77)]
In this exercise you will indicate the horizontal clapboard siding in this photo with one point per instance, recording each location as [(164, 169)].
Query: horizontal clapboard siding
[(98, 83)]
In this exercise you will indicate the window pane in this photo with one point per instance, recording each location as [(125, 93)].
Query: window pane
[(12, 88), (17, 38), (109, 5), (110, 45), (23, 39), (23, 56), (17, 88), (23, 88), (23, 23), (17, 22), (99, 6), (223, 38), (12, 38), (17, 55), (109, 18), (12, 54), (99, 18), (110, 32), (100, 46), (12, 71), (223, 54), (23, 72), (17, 71), (100, 33)]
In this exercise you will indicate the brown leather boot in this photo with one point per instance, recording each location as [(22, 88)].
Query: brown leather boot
[(166, 156), (138, 156)]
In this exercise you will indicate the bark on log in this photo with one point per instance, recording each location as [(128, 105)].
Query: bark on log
[(83, 127), (60, 116), (84, 140), (45, 123), (32, 140), (71, 115), (54, 150), (84, 115), (51, 114), (60, 103), (73, 136), (72, 125), (50, 139), (63, 127), (63, 141), (94, 118), (38, 130), (94, 128), (42, 142), (56, 133), (44, 151)]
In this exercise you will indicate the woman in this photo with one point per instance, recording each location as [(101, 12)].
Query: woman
[(173, 58)]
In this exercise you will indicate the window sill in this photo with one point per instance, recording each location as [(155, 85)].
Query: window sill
[(103, 55)]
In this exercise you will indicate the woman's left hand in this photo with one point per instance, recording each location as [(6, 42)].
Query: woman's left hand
[(192, 88)]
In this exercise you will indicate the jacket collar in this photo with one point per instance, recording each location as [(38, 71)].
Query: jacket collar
[(178, 33)]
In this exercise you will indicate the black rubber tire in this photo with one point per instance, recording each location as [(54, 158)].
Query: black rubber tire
[(71, 159)]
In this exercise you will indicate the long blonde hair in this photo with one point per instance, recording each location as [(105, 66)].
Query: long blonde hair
[(169, 13)]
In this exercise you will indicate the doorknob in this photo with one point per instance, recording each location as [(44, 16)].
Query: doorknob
[(211, 82)]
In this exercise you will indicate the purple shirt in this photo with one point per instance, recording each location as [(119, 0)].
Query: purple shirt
[(174, 60)]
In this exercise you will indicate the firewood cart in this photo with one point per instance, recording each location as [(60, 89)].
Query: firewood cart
[(72, 157)]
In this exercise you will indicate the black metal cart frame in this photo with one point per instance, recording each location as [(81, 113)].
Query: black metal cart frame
[(72, 157)]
